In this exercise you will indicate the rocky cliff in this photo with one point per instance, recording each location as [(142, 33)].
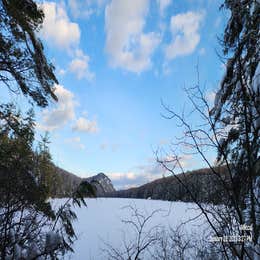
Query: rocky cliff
[(65, 183), (102, 183)]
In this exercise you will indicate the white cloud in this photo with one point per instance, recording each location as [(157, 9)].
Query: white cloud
[(61, 72), (84, 9), (148, 172), (202, 51), (120, 175), (127, 45), (78, 9), (184, 28), (125, 180), (106, 146), (76, 142), (163, 4), (57, 28), (63, 111), (184, 161), (85, 125), (210, 97), (80, 66), (138, 175)]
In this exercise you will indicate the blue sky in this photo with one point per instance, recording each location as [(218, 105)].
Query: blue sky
[(115, 61)]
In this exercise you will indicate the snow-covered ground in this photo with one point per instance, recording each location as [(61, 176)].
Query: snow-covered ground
[(101, 222)]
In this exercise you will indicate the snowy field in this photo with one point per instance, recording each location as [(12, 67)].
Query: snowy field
[(101, 222)]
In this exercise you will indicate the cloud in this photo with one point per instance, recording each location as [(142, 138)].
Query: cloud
[(63, 111), (185, 35), (202, 51), (84, 9), (76, 142), (57, 29), (185, 161), (127, 180), (151, 168), (85, 125), (61, 72), (109, 147), (163, 4), (127, 46), (78, 9), (148, 172), (80, 66), (137, 176), (210, 97)]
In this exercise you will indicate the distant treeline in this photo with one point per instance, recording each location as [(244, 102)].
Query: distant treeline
[(203, 184)]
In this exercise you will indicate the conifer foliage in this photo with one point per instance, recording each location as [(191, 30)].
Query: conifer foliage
[(30, 228), (22, 58), (237, 107)]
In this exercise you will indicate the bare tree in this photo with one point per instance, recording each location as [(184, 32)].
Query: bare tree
[(230, 128), (226, 221), (142, 240)]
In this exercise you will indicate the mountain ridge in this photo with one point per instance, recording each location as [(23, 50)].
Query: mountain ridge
[(67, 182), (202, 185)]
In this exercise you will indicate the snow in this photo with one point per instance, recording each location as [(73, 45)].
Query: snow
[(101, 222)]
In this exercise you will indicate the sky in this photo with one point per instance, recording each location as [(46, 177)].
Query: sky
[(116, 62)]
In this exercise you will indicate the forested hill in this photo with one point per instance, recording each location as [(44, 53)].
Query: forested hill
[(64, 183), (203, 184)]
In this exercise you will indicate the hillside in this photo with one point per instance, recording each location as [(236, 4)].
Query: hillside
[(66, 182), (203, 184)]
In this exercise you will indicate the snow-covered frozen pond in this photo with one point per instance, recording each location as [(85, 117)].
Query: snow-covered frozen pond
[(101, 222)]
